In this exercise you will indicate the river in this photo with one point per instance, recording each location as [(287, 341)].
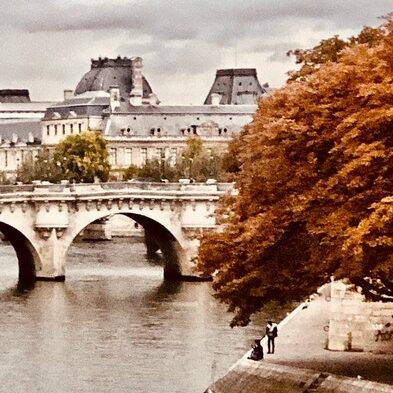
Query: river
[(115, 326)]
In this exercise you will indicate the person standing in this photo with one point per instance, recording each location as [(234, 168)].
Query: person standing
[(272, 333)]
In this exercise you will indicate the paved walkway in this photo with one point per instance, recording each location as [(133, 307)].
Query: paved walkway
[(302, 340)]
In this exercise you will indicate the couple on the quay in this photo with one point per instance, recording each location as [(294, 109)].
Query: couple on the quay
[(257, 349)]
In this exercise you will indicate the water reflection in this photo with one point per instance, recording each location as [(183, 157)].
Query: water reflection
[(113, 325)]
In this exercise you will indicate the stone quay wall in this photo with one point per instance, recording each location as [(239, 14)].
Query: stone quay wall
[(359, 325)]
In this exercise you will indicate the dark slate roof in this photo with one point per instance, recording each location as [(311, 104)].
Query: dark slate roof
[(86, 104), (126, 108), (22, 129), (105, 73), (237, 86), (14, 95)]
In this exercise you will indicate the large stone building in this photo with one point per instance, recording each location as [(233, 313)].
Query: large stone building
[(115, 98), (20, 127)]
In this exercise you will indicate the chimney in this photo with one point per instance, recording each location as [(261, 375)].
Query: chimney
[(136, 92), (114, 92), (68, 94), (216, 98)]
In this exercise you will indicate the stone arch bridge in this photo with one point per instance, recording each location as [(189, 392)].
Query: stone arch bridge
[(41, 221)]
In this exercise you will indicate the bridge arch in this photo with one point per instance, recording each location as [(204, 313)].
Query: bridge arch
[(26, 253), (161, 231)]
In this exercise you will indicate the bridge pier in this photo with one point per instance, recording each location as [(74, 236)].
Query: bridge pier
[(52, 252)]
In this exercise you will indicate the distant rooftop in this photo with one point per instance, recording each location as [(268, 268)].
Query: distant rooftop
[(236, 86), (106, 72), (14, 95)]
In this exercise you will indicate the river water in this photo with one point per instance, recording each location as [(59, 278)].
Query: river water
[(115, 326)]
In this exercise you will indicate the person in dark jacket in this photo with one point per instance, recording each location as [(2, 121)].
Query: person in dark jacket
[(257, 351), (272, 333)]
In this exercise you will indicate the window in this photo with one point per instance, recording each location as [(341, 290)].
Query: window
[(143, 155), (159, 153), (113, 156), (6, 158), (71, 128), (152, 130), (47, 130), (80, 127), (63, 126), (173, 155), (128, 156), (55, 129)]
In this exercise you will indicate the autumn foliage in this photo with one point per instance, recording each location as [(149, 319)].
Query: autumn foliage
[(315, 188)]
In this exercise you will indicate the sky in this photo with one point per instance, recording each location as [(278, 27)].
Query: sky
[(46, 45)]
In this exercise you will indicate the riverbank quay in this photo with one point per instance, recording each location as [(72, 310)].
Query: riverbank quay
[(301, 364)]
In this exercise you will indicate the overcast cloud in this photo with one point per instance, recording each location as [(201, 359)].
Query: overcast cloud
[(47, 44)]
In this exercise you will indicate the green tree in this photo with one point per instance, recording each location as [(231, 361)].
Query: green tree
[(83, 157), (314, 188), (194, 162), (199, 163), (41, 167)]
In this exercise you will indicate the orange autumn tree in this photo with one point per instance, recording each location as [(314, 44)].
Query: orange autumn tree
[(315, 187)]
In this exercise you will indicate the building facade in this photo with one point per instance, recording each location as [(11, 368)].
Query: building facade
[(115, 98)]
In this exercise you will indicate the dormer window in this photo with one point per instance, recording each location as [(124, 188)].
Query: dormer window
[(72, 114), (56, 115), (152, 130)]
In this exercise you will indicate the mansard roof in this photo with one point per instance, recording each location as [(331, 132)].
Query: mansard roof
[(14, 95), (236, 86), (91, 103), (105, 73), (126, 108), (22, 129)]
